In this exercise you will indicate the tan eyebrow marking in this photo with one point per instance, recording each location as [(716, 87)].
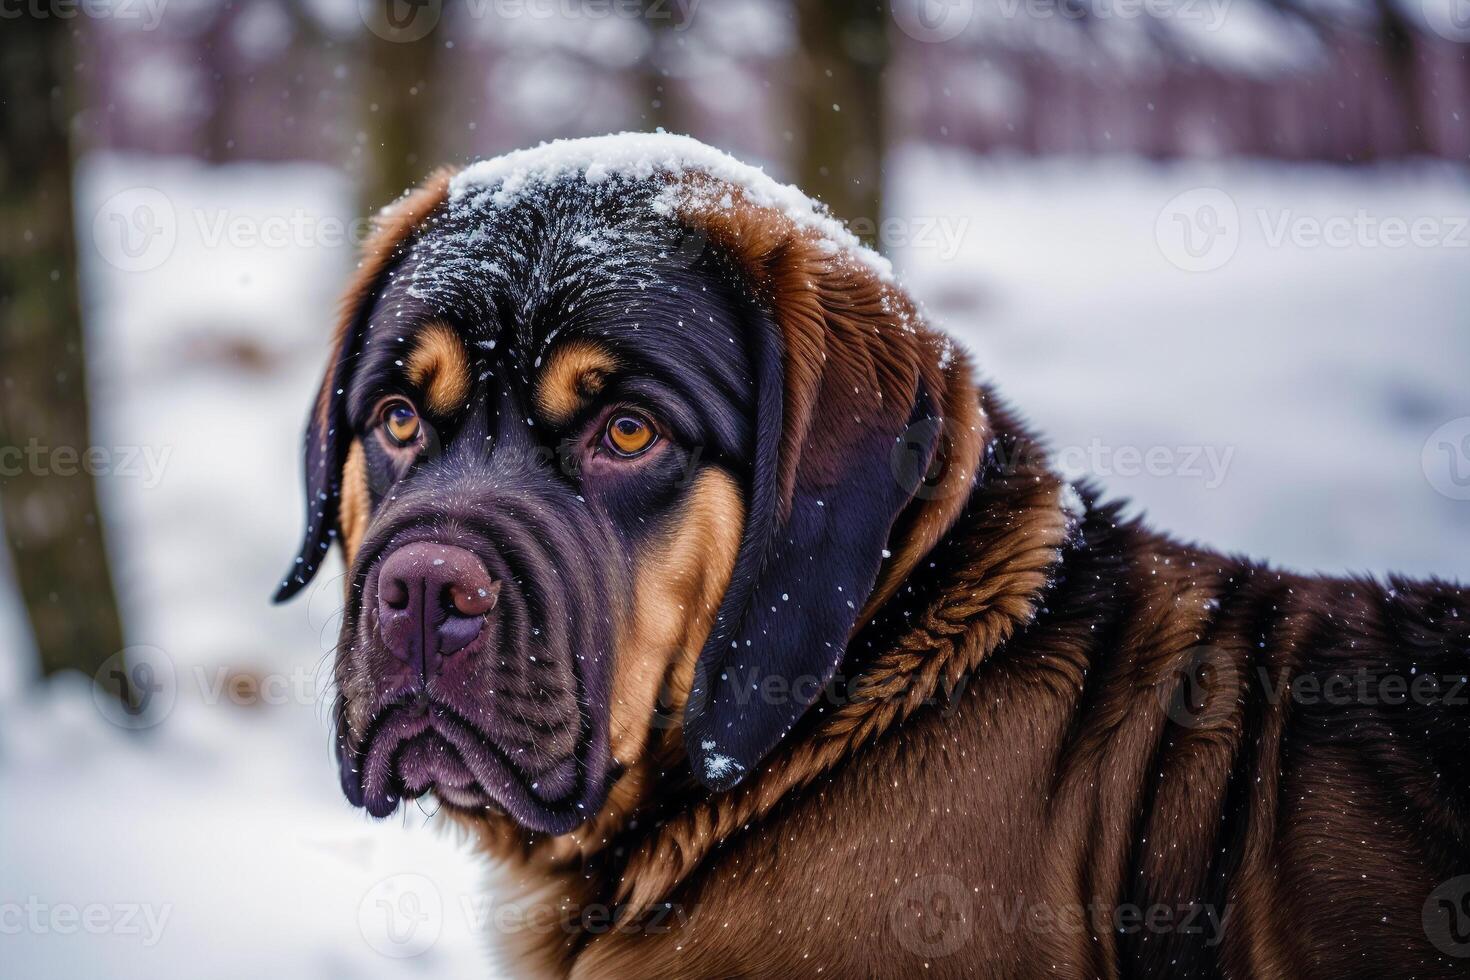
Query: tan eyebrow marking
[(439, 366), (576, 373)]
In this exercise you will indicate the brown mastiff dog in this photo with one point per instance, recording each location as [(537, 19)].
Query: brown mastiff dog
[(697, 576)]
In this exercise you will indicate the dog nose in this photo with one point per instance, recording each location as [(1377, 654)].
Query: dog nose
[(432, 602)]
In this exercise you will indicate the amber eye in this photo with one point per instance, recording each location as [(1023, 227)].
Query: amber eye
[(629, 435), (401, 422)]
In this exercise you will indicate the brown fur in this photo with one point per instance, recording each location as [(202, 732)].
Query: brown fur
[(854, 346), (574, 376), (678, 592), (856, 343), (438, 366), (356, 502), (1002, 771)]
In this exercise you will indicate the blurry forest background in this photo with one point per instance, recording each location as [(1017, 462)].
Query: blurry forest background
[(182, 186)]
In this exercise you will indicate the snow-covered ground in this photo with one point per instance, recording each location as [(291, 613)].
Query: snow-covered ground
[(1286, 378), (225, 816), (1280, 403)]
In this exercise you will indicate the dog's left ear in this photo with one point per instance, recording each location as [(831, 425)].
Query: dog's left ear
[(327, 435), (868, 437)]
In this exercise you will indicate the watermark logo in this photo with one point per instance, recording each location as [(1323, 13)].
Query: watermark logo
[(1447, 917), (400, 21), (139, 687), (401, 916), (1446, 459), (933, 21), (685, 246), (136, 230), (136, 687), (1208, 685), (1199, 230), (933, 916), (1450, 19), (920, 461), (673, 241), (1207, 688)]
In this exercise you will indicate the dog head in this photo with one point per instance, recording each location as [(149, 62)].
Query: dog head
[(615, 430)]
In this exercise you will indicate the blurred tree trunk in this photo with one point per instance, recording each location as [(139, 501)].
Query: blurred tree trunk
[(1396, 39), (840, 106), (219, 65), (664, 20), (400, 120), (651, 76), (653, 89), (48, 499)]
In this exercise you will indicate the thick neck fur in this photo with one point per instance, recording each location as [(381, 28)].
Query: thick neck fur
[(978, 586)]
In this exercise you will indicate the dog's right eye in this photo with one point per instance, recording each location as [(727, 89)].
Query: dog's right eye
[(629, 435), (401, 422)]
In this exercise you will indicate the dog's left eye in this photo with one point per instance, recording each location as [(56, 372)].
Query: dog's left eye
[(401, 422), (629, 435)]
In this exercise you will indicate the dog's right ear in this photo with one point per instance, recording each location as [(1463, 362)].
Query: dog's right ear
[(868, 436), (327, 436)]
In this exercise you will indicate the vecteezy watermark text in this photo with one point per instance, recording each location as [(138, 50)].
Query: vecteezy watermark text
[(38, 917), (403, 915), (147, 13), (940, 235), (406, 21), (937, 915), (1208, 13), (1209, 684), (146, 463), (1201, 229)]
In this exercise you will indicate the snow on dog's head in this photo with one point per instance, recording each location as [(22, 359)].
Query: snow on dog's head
[(699, 177), (751, 438)]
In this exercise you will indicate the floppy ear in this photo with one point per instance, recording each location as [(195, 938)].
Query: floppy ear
[(327, 435), (868, 437)]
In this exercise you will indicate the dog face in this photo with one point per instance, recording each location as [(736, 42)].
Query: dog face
[(576, 470)]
